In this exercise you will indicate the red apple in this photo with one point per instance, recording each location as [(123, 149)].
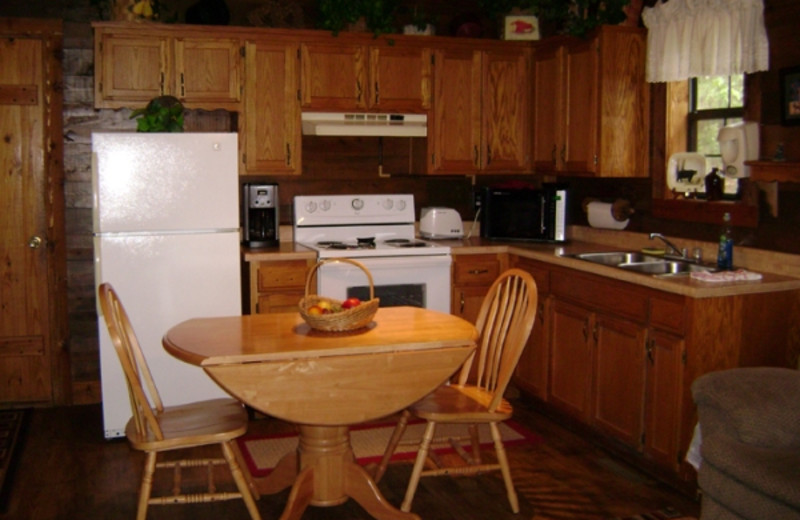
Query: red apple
[(350, 303)]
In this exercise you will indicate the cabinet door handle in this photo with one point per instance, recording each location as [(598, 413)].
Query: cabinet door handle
[(649, 348), (488, 155), (594, 333), (462, 303), (478, 271), (476, 160), (541, 313), (288, 154), (161, 85), (377, 94), (358, 90), (183, 87), (563, 154), (555, 151), (586, 331)]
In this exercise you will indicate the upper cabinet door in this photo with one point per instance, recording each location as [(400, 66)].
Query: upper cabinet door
[(400, 78), (548, 107), (131, 70), (506, 120), (207, 70), (454, 135), (334, 76), (579, 150), (270, 136)]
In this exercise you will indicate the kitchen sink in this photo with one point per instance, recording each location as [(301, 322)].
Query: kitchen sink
[(644, 263)]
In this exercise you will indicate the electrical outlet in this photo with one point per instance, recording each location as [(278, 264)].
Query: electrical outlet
[(476, 200)]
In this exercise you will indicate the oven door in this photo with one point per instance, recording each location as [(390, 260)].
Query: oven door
[(418, 281)]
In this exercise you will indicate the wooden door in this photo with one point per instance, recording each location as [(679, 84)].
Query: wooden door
[(271, 131), (334, 76), (400, 78), (571, 359), (547, 108), (619, 378), (207, 72), (455, 143), (133, 70), (505, 117), (34, 364), (580, 144), (665, 354)]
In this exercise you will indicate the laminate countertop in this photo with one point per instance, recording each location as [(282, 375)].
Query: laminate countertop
[(776, 268)]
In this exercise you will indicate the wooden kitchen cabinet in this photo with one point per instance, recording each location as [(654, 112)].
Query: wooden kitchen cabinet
[(590, 105), (472, 277), (269, 131), (481, 121), (135, 64), (598, 347), (278, 285), (532, 369), (352, 76)]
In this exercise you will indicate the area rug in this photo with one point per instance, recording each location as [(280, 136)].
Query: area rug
[(12, 428), (369, 441), (667, 513)]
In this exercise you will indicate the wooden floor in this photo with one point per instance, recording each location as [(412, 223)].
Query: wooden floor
[(68, 471)]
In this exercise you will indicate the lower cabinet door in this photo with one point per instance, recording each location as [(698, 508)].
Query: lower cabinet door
[(571, 359), (619, 378)]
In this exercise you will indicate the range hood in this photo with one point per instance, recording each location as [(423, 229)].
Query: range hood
[(364, 124)]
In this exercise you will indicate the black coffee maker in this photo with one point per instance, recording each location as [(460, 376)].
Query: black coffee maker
[(260, 222)]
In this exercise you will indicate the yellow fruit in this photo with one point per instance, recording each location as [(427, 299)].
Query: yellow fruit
[(324, 305), (315, 310)]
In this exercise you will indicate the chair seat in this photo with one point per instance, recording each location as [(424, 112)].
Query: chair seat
[(460, 404), (193, 424)]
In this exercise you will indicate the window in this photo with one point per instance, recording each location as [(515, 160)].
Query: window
[(713, 103)]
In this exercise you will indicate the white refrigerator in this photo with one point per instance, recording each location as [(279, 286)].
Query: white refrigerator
[(166, 236)]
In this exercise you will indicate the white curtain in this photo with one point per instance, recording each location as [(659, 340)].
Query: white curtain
[(694, 38)]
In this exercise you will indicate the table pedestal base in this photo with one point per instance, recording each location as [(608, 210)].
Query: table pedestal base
[(324, 472)]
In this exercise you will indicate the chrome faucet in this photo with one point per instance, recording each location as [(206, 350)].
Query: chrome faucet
[(678, 252)]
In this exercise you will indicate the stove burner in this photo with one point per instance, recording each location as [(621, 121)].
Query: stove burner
[(336, 244), (404, 242)]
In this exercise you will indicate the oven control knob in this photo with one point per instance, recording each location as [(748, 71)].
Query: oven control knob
[(388, 203), (401, 205), (357, 204), (325, 205), (311, 206)]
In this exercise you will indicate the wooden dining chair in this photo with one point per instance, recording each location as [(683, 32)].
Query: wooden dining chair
[(154, 428), (504, 323)]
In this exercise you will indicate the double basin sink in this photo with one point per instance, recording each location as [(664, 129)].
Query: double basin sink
[(644, 263)]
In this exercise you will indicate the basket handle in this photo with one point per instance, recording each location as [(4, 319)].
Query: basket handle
[(345, 260)]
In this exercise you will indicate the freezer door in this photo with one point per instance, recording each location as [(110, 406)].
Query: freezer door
[(146, 182), (163, 280)]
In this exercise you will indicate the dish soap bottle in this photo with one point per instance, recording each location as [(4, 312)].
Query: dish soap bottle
[(714, 187), (725, 253)]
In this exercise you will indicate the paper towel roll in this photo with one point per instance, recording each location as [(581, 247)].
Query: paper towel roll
[(600, 216)]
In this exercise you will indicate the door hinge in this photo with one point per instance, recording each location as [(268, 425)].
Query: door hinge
[(596, 160)]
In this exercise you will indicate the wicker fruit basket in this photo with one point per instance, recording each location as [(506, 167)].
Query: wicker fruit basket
[(343, 320)]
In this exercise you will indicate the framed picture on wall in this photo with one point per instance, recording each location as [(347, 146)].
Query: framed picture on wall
[(790, 96)]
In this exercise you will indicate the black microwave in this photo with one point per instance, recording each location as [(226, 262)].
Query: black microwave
[(524, 214)]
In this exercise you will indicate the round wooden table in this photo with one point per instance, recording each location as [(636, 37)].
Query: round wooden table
[(325, 382)]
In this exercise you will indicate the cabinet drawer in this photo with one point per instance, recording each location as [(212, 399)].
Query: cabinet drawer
[(596, 293), (476, 270), (668, 313), (290, 273), (284, 302)]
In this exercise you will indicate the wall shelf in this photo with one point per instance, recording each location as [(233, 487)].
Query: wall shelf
[(769, 171)]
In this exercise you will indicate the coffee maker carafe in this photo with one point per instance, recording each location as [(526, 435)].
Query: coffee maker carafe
[(260, 222)]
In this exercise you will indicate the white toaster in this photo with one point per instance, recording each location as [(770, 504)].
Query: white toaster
[(440, 223)]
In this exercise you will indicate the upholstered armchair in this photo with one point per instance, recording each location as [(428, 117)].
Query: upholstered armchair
[(750, 425)]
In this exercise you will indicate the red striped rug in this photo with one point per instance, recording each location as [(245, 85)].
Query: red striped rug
[(369, 442)]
